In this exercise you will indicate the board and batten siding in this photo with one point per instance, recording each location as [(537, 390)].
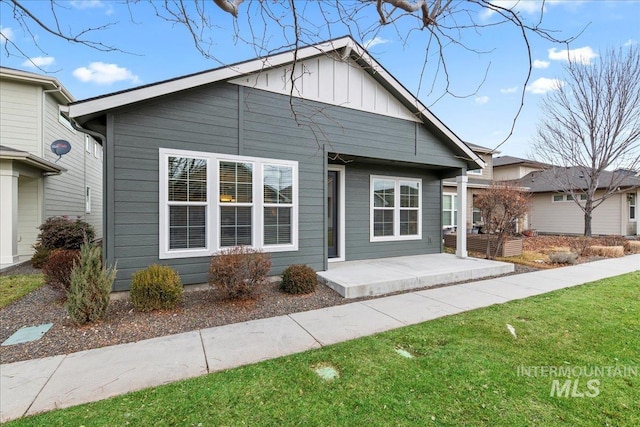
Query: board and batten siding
[(231, 119), (547, 216)]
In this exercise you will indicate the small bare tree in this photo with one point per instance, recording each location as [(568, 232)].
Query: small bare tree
[(501, 206), (590, 128)]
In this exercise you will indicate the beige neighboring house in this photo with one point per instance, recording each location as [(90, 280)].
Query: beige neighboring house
[(35, 183), (507, 168), (553, 210), (478, 181)]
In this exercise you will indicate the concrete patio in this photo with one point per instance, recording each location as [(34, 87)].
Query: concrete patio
[(354, 279)]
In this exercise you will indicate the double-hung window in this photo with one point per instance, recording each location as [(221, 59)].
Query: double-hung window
[(396, 206), (449, 210), (210, 201), (236, 203), (632, 206), (187, 203)]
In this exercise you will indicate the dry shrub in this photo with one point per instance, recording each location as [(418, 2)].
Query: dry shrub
[(57, 269), (632, 246), (239, 272), (607, 251), (563, 257)]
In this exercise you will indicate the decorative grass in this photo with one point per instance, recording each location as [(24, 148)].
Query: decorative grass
[(16, 286), (607, 251), (633, 246), (466, 370)]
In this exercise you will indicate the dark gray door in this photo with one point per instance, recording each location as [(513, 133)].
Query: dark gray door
[(332, 213)]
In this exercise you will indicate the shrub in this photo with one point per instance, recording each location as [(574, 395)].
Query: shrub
[(65, 233), (239, 272), (156, 287), (607, 251), (563, 257), (632, 246), (58, 267), (299, 279), (88, 298), (40, 255)]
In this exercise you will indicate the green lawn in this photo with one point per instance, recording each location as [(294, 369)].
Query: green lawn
[(465, 372), (16, 286)]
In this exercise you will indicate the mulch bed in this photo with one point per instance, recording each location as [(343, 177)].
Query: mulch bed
[(200, 309)]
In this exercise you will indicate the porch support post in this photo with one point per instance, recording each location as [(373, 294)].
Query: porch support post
[(461, 244), (9, 213)]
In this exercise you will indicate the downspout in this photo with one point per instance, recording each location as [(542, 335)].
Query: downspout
[(103, 141)]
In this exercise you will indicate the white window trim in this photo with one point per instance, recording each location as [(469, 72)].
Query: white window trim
[(635, 206), (341, 212), (566, 197), (213, 204), (87, 143), (396, 209), (87, 199), (474, 172), (454, 209)]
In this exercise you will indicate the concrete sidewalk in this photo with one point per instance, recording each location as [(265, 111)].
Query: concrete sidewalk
[(34, 386)]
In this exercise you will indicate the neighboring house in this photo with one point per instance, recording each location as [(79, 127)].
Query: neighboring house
[(478, 181), (554, 211), (211, 160), (506, 168), (34, 182)]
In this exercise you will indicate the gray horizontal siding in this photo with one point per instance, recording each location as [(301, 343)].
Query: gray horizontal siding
[(207, 120), (357, 214)]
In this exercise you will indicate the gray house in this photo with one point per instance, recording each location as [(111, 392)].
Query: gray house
[(325, 159)]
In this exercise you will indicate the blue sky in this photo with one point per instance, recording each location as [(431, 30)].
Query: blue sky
[(482, 114)]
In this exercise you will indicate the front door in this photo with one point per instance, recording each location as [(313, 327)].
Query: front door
[(332, 213)]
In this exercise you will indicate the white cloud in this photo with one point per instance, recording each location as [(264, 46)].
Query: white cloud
[(7, 34), (101, 73), (374, 41), (630, 42), (86, 4), (39, 62), (482, 100), (581, 54), (509, 89), (530, 7), (540, 64), (544, 85)]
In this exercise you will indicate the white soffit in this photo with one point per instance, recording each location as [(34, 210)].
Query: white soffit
[(331, 80)]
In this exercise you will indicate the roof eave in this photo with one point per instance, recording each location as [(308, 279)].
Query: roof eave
[(31, 160)]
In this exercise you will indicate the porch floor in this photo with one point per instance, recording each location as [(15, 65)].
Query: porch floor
[(354, 279)]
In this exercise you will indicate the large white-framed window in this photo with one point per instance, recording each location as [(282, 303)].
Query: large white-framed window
[(449, 210), (396, 208), (211, 201)]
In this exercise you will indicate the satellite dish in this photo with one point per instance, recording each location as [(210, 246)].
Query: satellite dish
[(60, 147)]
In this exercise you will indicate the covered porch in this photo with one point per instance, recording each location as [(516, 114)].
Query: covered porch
[(354, 279)]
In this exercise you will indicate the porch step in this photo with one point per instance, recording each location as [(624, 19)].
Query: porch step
[(354, 279)]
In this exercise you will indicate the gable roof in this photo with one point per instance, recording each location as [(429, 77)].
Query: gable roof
[(512, 160), (546, 180), (62, 95), (85, 110)]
